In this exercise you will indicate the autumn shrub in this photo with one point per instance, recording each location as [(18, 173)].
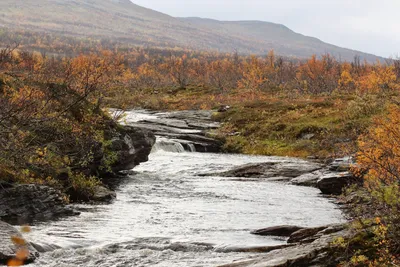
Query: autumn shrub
[(377, 223), (82, 187), (365, 106), (52, 128)]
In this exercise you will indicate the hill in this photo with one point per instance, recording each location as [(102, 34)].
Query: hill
[(129, 23)]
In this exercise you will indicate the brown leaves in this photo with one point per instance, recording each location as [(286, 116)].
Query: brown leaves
[(22, 253)]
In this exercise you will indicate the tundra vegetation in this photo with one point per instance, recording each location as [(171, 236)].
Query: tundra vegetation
[(53, 92)]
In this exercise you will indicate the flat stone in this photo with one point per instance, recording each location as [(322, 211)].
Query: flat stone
[(305, 234), (282, 230), (256, 249), (271, 170), (308, 179)]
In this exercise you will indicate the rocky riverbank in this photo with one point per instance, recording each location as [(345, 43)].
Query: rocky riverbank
[(305, 246), (330, 179), (24, 203), (191, 131)]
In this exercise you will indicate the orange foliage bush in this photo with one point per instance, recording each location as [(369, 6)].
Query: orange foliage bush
[(380, 150)]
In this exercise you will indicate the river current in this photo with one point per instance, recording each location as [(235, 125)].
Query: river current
[(166, 214)]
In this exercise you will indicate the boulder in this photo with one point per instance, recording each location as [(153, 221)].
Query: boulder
[(103, 194), (132, 146), (12, 242), (333, 183), (282, 230), (23, 204)]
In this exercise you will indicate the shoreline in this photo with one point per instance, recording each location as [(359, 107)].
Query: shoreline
[(271, 249)]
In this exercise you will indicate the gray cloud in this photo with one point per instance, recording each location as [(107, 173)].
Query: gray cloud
[(368, 25)]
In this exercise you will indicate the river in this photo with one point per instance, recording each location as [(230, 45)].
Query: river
[(167, 215)]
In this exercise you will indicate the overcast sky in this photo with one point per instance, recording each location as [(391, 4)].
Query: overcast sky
[(368, 25)]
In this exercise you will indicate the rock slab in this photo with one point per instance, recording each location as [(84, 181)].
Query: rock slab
[(313, 253), (22, 204), (283, 230)]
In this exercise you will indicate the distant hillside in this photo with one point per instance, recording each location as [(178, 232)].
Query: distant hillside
[(124, 21)]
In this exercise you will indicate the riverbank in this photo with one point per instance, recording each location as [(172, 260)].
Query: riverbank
[(157, 190), (281, 124)]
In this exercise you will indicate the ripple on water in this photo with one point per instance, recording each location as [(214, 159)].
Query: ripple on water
[(166, 199)]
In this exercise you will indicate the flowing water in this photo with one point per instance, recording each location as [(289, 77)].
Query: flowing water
[(167, 215)]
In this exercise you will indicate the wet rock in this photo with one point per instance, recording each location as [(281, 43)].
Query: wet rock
[(342, 164), (309, 254), (262, 249), (43, 248), (103, 194), (9, 249), (22, 204), (305, 235), (333, 229), (282, 230), (333, 183), (201, 143), (186, 126), (308, 179), (271, 170), (132, 146)]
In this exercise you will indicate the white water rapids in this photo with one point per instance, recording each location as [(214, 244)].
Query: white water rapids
[(167, 215)]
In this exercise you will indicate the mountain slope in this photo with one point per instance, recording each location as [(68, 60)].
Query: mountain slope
[(127, 22)]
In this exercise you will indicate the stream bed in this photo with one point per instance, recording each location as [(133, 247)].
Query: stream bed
[(166, 214)]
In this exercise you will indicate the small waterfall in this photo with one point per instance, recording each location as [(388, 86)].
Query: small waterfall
[(192, 148), (168, 146), (174, 146)]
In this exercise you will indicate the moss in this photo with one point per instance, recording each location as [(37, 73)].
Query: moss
[(300, 127)]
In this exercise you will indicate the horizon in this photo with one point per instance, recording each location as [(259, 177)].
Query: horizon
[(352, 29)]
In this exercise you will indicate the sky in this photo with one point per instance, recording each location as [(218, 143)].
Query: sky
[(371, 26)]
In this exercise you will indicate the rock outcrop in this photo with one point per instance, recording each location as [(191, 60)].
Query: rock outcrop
[(333, 183), (337, 176), (103, 194), (308, 179), (330, 179), (310, 247), (132, 146), (190, 128), (23, 204), (12, 242)]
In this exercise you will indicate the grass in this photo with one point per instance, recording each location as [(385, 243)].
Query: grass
[(282, 124)]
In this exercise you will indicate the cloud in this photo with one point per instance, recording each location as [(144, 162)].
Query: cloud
[(366, 25)]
